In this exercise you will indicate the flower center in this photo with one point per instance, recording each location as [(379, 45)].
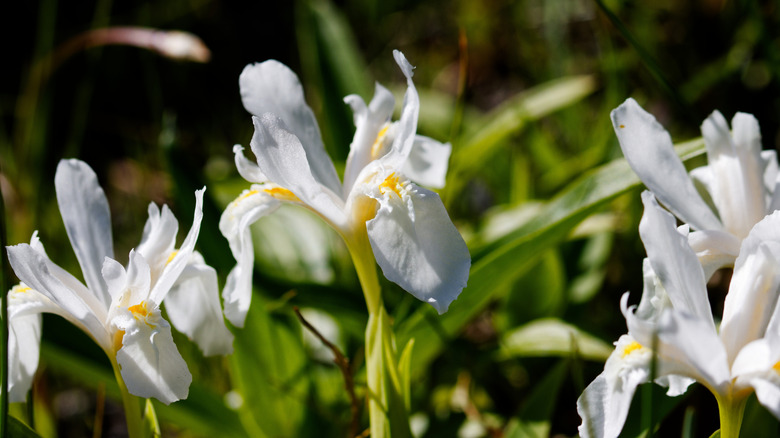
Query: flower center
[(630, 348), (141, 313), (391, 184)]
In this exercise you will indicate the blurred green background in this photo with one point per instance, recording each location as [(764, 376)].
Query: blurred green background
[(522, 90)]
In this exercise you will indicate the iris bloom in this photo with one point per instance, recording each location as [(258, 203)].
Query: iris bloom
[(740, 357), (119, 308), (410, 233), (722, 200)]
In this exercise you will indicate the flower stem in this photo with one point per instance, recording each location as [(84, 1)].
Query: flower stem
[(132, 405), (363, 258), (731, 412)]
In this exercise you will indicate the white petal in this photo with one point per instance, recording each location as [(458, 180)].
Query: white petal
[(674, 261), (193, 308), (174, 267), (686, 346), (604, 404), (24, 344), (428, 162), (283, 160), (715, 249), (247, 169), (369, 123), (87, 219), (79, 306), (234, 225), (649, 151), (737, 187), (271, 87), (418, 247), (755, 366), (150, 363), (751, 300), (159, 238), (407, 124), (654, 298)]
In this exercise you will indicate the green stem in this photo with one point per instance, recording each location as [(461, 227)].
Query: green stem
[(131, 403), (731, 412), (363, 258)]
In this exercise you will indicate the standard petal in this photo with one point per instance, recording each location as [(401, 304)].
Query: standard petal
[(234, 224), (370, 132), (150, 363), (649, 151), (87, 219), (674, 261), (24, 344), (715, 249), (271, 87), (751, 300), (176, 264), (247, 169), (407, 124), (428, 162), (159, 239), (283, 160), (418, 247), (737, 187), (193, 308)]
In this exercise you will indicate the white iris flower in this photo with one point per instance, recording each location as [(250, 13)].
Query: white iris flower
[(740, 357), (739, 182), (410, 233), (119, 307)]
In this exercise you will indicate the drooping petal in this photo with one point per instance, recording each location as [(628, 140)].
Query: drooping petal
[(234, 224), (406, 127), (78, 305), (648, 148), (715, 249), (751, 300), (416, 244), (150, 363), (24, 343), (247, 169), (686, 346), (271, 87), (282, 158), (370, 130), (603, 406), (158, 239), (737, 187), (674, 261), (193, 308), (428, 162), (176, 265), (87, 219)]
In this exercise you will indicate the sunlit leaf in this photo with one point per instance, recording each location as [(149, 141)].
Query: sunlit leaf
[(553, 337)]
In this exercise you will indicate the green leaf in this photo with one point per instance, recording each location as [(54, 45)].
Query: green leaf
[(552, 337), (267, 368), (202, 410), (151, 426), (535, 416), (405, 372), (499, 264), (17, 429)]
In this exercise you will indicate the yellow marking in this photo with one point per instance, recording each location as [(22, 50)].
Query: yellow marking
[(390, 184), (376, 148), (776, 366), (139, 310), (282, 194), (170, 257), (630, 348), (119, 335), (245, 195), (19, 289), (622, 126)]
